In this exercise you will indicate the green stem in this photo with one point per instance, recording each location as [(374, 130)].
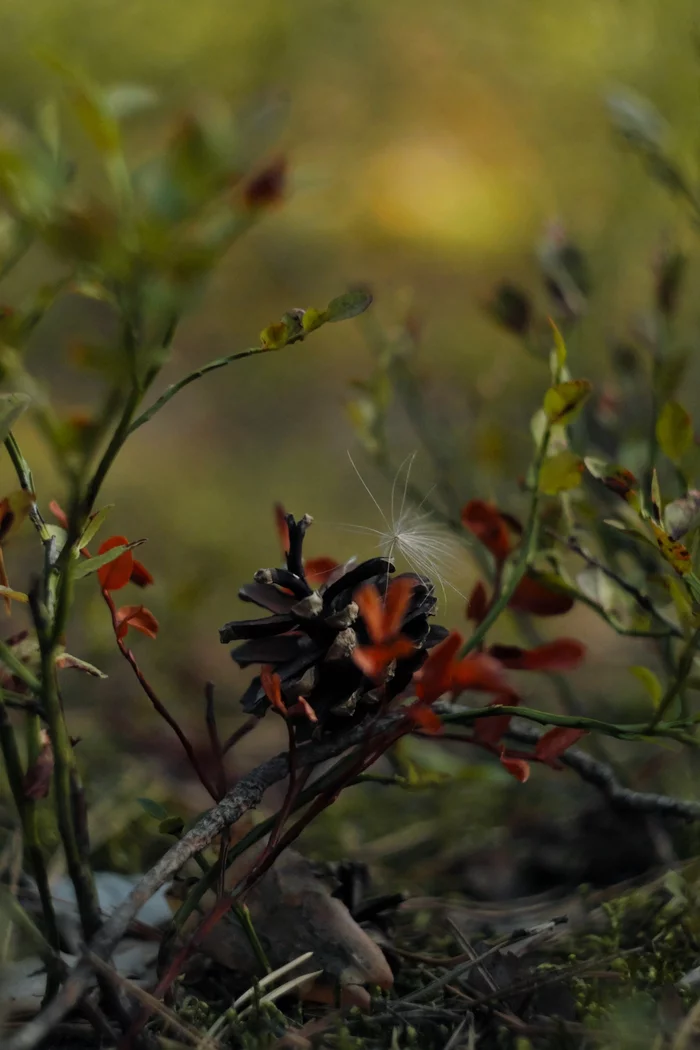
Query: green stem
[(629, 731), (18, 669), (26, 810), (685, 666), (198, 373)]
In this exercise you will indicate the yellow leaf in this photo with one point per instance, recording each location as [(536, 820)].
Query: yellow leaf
[(275, 336), (313, 319), (650, 682), (674, 552), (560, 472), (563, 402), (674, 431)]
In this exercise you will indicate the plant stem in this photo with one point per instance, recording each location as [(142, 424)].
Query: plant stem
[(18, 669), (685, 666), (26, 810), (198, 373)]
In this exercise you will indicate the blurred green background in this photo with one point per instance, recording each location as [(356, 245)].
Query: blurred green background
[(430, 145)]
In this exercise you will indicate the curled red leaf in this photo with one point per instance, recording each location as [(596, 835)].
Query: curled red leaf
[(138, 617), (480, 672), (140, 575), (517, 767), (488, 525), (272, 687), (116, 574)]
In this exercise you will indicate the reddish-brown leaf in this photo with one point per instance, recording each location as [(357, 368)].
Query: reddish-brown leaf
[(423, 716), (478, 603), (373, 660), (487, 524), (533, 596), (58, 513), (282, 527), (317, 570), (397, 601), (272, 687), (435, 676), (490, 730), (117, 573), (478, 671), (140, 575), (517, 767), (564, 654), (369, 603), (138, 617), (554, 743)]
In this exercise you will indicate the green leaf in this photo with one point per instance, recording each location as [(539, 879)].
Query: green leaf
[(87, 566), (563, 402), (90, 107), (560, 472), (559, 346), (656, 503), (94, 525), (154, 809), (348, 305), (11, 408), (172, 826), (674, 431), (650, 682)]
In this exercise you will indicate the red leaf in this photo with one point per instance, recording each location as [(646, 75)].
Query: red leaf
[(138, 617), (59, 514), (423, 716), (369, 603), (490, 730), (487, 524), (140, 575), (435, 676), (373, 660), (478, 603), (564, 654), (282, 527), (555, 742), (478, 671), (397, 601), (517, 767), (118, 572), (273, 689), (533, 596), (383, 619), (317, 570)]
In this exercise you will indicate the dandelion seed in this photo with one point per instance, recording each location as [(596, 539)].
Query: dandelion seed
[(411, 532)]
